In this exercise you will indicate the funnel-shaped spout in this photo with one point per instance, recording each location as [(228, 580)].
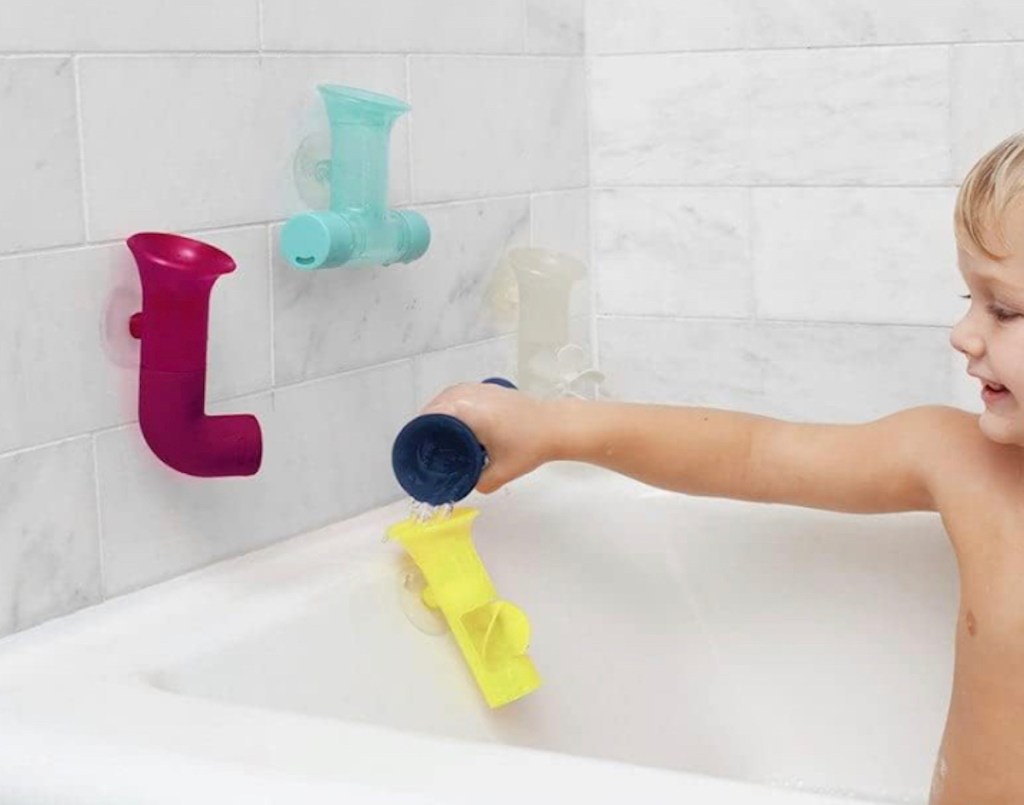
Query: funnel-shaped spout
[(361, 124), (358, 227), (177, 276)]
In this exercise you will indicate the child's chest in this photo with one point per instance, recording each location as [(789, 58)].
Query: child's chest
[(991, 564)]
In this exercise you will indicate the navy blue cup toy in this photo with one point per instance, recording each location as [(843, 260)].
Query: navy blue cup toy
[(437, 459)]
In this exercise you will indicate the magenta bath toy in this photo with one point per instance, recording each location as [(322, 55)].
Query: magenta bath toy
[(177, 276)]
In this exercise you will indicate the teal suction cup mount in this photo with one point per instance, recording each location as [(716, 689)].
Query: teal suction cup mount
[(357, 227)]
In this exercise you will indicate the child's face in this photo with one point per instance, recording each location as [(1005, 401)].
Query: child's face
[(991, 336)]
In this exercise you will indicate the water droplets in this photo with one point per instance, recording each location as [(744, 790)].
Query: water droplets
[(422, 512)]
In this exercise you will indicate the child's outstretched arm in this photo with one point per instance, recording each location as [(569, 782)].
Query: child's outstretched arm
[(878, 466)]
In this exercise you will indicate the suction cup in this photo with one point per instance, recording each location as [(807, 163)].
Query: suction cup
[(411, 587), (312, 170), (503, 295)]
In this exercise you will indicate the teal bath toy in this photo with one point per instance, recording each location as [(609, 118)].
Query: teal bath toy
[(358, 227)]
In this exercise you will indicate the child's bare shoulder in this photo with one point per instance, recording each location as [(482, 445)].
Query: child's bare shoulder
[(973, 479)]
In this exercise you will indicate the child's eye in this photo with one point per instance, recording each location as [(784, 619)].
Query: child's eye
[(1001, 314), (965, 296)]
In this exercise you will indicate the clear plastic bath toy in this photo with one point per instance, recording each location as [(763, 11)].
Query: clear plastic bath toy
[(492, 634), (358, 228)]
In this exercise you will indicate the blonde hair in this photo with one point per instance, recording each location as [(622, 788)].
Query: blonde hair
[(994, 183)]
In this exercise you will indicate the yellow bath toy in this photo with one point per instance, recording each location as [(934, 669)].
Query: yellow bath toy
[(493, 634)]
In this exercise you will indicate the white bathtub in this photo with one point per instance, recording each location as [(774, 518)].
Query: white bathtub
[(692, 650)]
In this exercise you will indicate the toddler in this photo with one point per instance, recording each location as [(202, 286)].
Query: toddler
[(967, 467)]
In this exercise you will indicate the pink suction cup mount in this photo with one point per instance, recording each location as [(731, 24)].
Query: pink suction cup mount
[(177, 276)]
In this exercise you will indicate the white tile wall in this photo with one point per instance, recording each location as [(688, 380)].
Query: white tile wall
[(111, 124), (458, 26), (41, 191), (497, 126), (554, 26), (128, 25), (673, 251), (988, 99), (198, 142), (49, 554), (774, 184), (786, 370), (331, 321), (876, 255), (764, 190), (871, 116), (670, 120), (658, 26)]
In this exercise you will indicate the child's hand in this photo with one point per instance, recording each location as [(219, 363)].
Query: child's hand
[(518, 431)]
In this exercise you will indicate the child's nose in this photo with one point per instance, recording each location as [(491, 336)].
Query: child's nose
[(965, 338)]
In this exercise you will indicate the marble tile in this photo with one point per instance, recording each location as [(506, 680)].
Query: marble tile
[(884, 255), (883, 369), (497, 126), (782, 370), (673, 252), (665, 25), (791, 23), (670, 119), (227, 159), (65, 347), (436, 371), (41, 191), (561, 222), (128, 25), (704, 362), (49, 554), (59, 379), (555, 26), (441, 26), (326, 457), (338, 319), (871, 116), (987, 98)]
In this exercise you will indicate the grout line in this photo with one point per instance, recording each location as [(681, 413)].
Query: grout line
[(33, 54), (805, 48), (280, 53), (454, 202), (525, 6), (46, 445), (408, 128), (771, 186), (270, 304), (653, 317), (530, 201), (197, 231), (259, 17), (97, 244), (595, 338), (81, 147), (99, 517), (950, 116)]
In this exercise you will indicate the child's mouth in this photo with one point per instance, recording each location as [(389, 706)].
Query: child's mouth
[(994, 393)]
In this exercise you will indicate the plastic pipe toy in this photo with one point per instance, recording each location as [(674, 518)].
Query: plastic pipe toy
[(492, 634), (358, 227), (177, 276)]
